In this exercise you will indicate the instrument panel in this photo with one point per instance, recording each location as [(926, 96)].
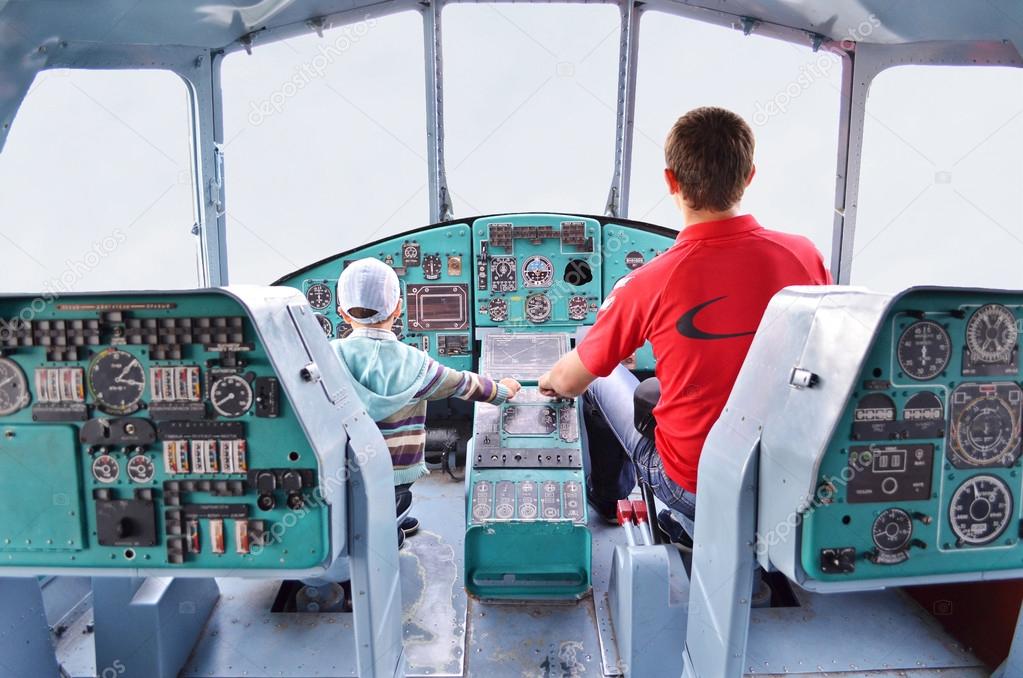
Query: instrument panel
[(516, 272), (152, 431), (923, 475)]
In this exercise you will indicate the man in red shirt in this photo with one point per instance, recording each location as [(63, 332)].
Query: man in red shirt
[(699, 304)]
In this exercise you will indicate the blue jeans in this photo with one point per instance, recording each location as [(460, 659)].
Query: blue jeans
[(616, 474)]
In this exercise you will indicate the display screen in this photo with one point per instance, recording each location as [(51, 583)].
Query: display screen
[(438, 307)]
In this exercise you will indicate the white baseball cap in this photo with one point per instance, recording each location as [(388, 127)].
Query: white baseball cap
[(369, 283)]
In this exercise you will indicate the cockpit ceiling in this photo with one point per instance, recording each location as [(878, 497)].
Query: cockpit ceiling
[(221, 23)]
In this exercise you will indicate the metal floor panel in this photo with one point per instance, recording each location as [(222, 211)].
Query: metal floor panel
[(884, 634)]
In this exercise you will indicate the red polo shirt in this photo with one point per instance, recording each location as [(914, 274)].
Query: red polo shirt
[(699, 305)]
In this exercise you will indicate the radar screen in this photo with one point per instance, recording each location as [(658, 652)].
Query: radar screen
[(521, 356)]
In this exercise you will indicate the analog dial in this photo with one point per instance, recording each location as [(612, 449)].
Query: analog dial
[(892, 530), (431, 267), (577, 308), (328, 327), (991, 334), (985, 431), (537, 271), (319, 296), (398, 327), (13, 387), (105, 468), (538, 308), (498, 309), (140, 469), (980, 510), (117, 381), (924, 350), (231, 396), (343, 329), (502, 274)]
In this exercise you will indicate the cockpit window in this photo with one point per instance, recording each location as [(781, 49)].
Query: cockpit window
[(940, 199), (325, 144), (530, 97), (96, 186), (788, 94)]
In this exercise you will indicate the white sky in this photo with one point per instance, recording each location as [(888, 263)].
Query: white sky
[(94, 180)]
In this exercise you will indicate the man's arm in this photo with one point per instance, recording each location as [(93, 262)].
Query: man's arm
[(569, 378)]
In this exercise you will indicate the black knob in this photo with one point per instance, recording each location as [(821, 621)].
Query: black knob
[(266, 482), (266, 502), (296, 501)]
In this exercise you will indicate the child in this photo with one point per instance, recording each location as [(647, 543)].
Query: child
[(395, 380)]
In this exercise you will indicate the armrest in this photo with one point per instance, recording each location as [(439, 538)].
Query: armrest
[(644, 400)]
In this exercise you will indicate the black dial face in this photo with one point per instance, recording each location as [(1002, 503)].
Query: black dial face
[(319, 296), (325, 324), (924, 350), (343, 329), (13, 387), (985, 424), (398, 327), (117, 381), (140, 469), (498, 310), (980, 510), (538, 308), (431, 267), (231, 396), (502, 274), (105, 468), (991, 334), (537, 271), (892, 530), (577, 308)]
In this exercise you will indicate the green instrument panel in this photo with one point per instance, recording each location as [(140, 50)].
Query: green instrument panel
[(923, 474), (526, 534), (150, 431), (520, 272)]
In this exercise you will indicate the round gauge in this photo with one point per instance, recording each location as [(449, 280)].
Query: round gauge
[(498, 309), (980, 510), (577, 308), (398, 327), (984, 431), (343, 329), (13, 387), (502, 274), (140, 469), (410, 252), (537, 271), (431, 267), (231, 396), (328, 327), (538, 308), (319, 296), (892, 530), (991, 334), (105, 468), (117, 381), (924, 350)]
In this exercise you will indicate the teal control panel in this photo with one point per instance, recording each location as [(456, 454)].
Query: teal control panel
[(526, 534), (923, 475), (513, 272), (151, 432)]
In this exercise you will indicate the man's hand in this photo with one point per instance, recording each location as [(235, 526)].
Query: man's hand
[(512, 386), (545, 386), (568, 378)]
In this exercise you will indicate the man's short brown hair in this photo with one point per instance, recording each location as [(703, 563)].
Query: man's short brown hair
[(710, 150)]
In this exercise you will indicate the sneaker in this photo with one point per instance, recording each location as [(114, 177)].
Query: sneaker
[(402, 501), (409, 526), (401, 538), (673, 530)]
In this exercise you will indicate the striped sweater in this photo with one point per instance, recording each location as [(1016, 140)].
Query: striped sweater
[(395, 381)]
